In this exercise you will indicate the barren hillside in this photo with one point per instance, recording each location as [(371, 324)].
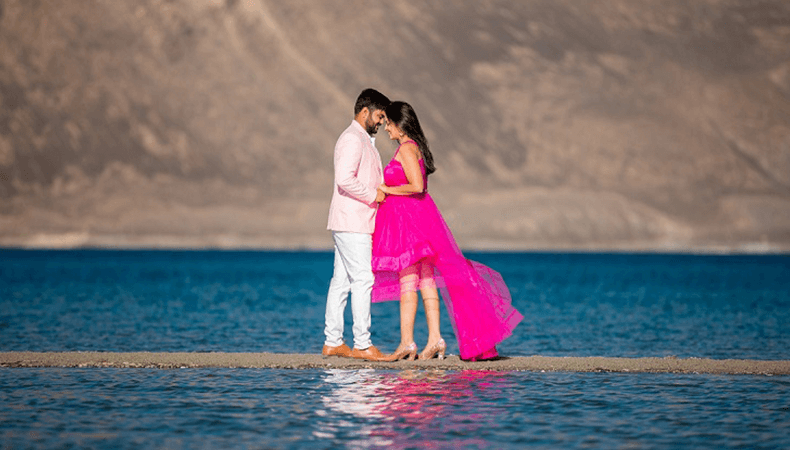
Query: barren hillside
[(614, 124)]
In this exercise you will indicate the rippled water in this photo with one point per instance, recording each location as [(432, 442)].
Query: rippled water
[(230, 408), (574, 305)]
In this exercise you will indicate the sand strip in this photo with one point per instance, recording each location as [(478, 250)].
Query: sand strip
[(312, 361)]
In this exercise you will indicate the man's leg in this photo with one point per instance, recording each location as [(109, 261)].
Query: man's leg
[(356, 252), (339, 288)]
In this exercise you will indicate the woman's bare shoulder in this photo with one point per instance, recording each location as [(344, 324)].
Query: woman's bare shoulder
[(410, 149)]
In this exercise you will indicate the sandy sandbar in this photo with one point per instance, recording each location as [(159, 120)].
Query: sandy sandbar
[(313, 361)]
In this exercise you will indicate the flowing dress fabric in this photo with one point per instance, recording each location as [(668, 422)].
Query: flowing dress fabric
[(410, 230)]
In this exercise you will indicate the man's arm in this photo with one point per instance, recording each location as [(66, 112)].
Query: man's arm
[(348, 154)]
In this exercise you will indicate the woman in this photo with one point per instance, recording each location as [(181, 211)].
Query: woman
[(414, 249)]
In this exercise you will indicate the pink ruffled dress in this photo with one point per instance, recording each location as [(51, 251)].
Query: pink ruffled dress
[(411, 233)]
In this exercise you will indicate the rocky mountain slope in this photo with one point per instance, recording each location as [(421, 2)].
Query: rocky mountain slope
[(614, 124)]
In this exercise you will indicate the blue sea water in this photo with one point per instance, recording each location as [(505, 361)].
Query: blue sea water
[(629, 305)]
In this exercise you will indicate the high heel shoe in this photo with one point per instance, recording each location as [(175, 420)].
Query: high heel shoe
[(407, 351), (439, 347)]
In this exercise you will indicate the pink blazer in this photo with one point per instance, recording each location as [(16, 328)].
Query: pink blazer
[(358, 173)]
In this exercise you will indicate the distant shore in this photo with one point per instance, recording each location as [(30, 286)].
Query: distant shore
[(314, 361), (745, 249)]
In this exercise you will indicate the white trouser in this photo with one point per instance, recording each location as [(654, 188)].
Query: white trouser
[(353, 273)]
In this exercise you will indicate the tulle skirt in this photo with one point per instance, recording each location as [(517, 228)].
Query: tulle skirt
[(410, 230)]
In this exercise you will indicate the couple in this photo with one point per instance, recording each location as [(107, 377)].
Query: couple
[(391, 241)]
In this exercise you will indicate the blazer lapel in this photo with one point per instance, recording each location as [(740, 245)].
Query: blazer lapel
[(378, 160), (371, 148)]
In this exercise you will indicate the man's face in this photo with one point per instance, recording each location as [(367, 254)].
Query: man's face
[(373, 121)]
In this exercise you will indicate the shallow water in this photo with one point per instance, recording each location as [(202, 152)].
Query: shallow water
[(252, 408), (574, 305)]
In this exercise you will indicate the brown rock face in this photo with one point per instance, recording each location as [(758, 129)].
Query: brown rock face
[(614, 124)]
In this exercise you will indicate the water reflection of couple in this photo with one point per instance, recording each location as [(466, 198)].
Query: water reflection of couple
[(414, 409), (391, 241)]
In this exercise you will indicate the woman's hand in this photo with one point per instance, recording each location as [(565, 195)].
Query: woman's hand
[(380, 194)]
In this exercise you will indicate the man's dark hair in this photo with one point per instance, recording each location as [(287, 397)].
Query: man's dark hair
[(372, 100)]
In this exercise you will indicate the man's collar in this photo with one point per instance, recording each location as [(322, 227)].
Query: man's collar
[(362, 129), (358, 125)]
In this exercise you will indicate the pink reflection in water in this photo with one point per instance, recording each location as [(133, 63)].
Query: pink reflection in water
[(426, 409)]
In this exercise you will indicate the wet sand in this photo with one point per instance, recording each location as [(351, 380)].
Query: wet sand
[(314, 361)]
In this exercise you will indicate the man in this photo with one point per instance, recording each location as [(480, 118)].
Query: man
[(352, 213)]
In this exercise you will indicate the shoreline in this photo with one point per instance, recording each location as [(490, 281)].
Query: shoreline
[(179, 360), (624, 250), (321, 243)]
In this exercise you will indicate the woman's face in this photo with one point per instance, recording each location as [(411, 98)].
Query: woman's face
[(392, 130)]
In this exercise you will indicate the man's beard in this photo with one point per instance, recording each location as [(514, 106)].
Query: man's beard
[(371, 127)]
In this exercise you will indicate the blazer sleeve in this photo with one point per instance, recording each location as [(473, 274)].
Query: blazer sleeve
[(348, 155)]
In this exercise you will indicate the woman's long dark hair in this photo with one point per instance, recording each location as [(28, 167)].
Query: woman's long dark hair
[(403, 115)]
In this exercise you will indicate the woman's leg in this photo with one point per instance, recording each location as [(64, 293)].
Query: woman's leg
[(430, 300), (408, 304)]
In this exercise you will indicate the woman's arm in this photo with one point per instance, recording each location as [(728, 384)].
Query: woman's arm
[(409, 159)]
